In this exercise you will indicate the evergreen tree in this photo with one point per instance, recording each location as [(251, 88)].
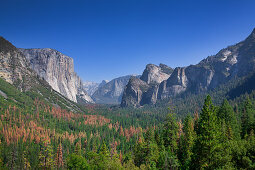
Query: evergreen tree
[(226, 114), (208, 151), (187, 142), (77, 162), (104, 150), (170, 131), (247, 118), (78, 148)]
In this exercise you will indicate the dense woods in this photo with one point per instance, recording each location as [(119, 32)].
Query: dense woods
[(38, 135)]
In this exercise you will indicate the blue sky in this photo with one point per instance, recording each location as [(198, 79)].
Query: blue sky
[(112, 38)]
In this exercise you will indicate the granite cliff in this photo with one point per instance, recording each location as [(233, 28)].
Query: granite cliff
[(144, 90), (58, 70)]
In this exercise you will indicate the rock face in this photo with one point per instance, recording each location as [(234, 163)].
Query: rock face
[(237, 60), (144, 90), (134, 91), (58, 70), (156, 74), (111, 92), (14, 67)]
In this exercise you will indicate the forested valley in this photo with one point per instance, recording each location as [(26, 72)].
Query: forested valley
[(38, 135)]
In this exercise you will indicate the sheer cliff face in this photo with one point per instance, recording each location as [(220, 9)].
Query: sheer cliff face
[(58, 70), (156, 74), (110, 92), (237, 60), (144, 90), (134, 91)]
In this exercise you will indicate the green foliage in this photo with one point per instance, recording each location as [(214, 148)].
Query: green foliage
[(46, 156), (170, 131), (248, 117), (208, 149), (77, 162), (227, 116), (186, 142)]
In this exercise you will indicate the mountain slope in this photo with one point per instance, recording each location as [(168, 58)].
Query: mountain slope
[(15, 69), (58, 70), (13, 66)]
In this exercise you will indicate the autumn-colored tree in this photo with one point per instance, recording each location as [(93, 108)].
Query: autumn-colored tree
[(59, 156), (78, 148)]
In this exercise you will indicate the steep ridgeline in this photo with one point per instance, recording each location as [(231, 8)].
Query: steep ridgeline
[(234, 61), (58, 70), (14, 67), (111, 92), (144, 90)]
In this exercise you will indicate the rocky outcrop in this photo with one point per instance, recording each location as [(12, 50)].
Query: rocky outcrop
[(156, 74), (144, 90), (111, 92), (133, 93), (234, 61), (14, 67), (58, 70)]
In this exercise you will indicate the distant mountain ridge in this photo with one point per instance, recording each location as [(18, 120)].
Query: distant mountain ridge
[(111, 92), (90, 87), (234, 61)]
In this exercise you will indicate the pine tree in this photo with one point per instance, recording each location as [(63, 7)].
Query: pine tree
[(208, 151), (226, 114), (104, 150), (187, 142), (78, 148), (170, 132), (247, 118)]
